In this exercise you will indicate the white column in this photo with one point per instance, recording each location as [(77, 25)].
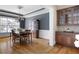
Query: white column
[(52, 24)]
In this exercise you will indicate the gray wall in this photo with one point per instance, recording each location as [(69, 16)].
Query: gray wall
[(44, 20)]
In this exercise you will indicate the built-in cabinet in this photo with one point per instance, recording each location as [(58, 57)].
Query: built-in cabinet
[(65, 38), (67, 19), (68, 16)]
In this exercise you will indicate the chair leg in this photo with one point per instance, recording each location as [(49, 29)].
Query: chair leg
[(20, 40), (13, 40), (25, 39)]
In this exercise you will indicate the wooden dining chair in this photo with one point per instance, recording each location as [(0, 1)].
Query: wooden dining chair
[(15, 36), (28, 35), (24, 36)]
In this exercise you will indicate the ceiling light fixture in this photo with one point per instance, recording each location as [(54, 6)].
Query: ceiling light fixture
[(20, 17)]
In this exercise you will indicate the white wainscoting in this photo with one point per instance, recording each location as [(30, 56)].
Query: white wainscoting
[(44, 34)]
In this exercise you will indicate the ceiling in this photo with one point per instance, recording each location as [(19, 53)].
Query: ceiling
[(25, 10)]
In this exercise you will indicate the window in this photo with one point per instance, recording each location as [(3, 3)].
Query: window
[(7, 24)]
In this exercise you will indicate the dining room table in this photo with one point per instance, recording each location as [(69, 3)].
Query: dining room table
[(23, 34)]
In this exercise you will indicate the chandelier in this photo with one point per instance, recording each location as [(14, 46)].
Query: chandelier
[(20, 17)]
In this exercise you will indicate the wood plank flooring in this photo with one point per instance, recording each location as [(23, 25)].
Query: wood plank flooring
[(39, 46)]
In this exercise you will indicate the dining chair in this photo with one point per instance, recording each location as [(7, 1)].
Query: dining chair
[(24, 36), (28, 35), (15, 36)]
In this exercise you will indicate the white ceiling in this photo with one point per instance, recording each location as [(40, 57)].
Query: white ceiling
[(26, 8)]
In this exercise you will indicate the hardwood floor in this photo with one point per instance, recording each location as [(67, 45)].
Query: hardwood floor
[(39, 46)]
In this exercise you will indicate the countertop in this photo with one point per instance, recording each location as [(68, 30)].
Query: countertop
[(68, 32)]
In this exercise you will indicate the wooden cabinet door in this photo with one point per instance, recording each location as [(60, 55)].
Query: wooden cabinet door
[(59, 38), (68, 40)]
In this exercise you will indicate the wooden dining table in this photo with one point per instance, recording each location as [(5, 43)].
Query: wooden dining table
[(23, 35)]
